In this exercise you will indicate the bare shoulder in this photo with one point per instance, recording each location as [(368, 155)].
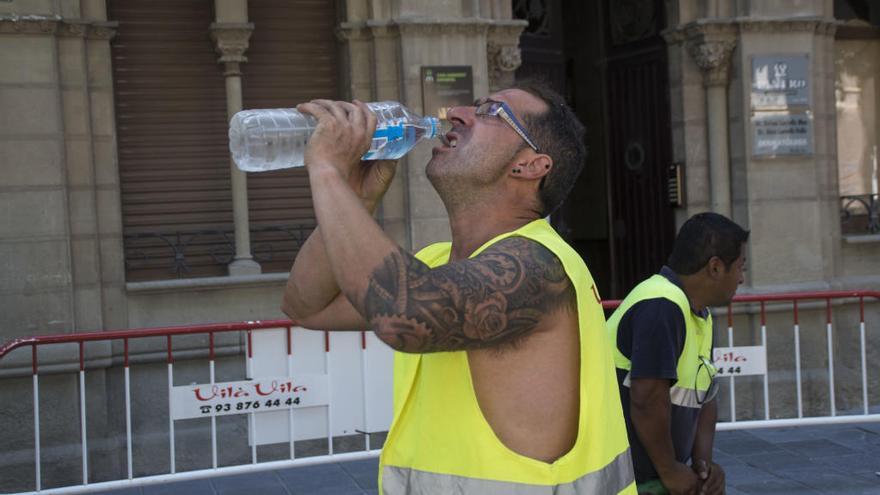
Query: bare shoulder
[(492, 300)]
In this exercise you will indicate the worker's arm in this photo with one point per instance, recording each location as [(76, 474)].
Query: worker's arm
[(312, 296), (650, 410), (711, 474)]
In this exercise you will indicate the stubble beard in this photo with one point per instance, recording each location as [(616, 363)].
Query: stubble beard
[(457, 183)]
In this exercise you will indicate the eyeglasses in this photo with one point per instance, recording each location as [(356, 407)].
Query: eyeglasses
[(502, 110), (708, 370)]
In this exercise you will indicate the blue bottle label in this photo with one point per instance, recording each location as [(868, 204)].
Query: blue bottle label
[(390, 133)]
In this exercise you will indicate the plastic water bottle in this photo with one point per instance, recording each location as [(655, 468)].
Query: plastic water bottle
[(271, 139)]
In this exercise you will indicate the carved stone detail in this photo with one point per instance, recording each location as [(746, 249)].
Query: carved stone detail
[(104, 30), (440, 27), (711, 44), (66, 28), (351, 31), (503, 54), (503, 61), (713, 57), (816, 25), (231, 40), (384, 29), (72, 29), (29, 24)]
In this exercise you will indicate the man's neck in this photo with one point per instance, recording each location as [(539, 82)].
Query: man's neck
[(693, 288), (473, 227)]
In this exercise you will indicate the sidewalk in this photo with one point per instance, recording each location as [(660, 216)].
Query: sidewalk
[(839, 460)]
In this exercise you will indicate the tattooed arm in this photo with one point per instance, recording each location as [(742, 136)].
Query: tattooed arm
[(492, 300)]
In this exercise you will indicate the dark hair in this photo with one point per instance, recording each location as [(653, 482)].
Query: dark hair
[(703, 236), (559, 134)]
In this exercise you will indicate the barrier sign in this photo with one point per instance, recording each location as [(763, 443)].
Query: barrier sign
[(740, 361), (265, 394)]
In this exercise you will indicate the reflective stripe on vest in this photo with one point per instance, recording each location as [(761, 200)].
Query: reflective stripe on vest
[(613, 478), (684, 397), (697, 342), (440, 442)]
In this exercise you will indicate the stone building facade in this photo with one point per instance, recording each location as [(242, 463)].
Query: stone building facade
[(76, 189)]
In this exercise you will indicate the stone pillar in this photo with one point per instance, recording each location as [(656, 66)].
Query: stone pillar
[(231, 39), (711, 46)]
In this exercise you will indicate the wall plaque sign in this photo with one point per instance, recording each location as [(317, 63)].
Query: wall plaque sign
[(781, 133), (780, 81), (444, 87)]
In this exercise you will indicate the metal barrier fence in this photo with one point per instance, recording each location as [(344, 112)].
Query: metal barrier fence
[(750, 306)]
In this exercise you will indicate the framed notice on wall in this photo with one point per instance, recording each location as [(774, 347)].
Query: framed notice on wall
[(781, 120), (781, 133), (446, 86), (780, 81)]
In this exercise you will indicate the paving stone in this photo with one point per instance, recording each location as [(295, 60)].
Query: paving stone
[(330, 490), (856, 438), (362, 466), (774, 435), (330, 478), (827, 481), (814, 449), (725, 459), (367, 480), (776, 460), (262, 481), (874, 427), (777, 487), (745, 446), (193, 487), (736, 475), (856, 463)]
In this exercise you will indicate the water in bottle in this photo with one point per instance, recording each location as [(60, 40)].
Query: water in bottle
[(271, 139)]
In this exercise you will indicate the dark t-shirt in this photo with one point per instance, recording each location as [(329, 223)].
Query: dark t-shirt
[(651, 335)]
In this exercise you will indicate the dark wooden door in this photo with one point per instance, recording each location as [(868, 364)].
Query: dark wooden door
[(639, 141), (541, 42)]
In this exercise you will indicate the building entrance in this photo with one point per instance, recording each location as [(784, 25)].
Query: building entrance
[(610, 62)]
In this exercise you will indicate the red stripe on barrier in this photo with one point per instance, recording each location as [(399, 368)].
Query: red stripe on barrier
[(250, 345), (34, 358), (363, 339), (289, 341), (82, 360), (326, 341), (125, 345), (138, 333), (796, 312), (170, 356), (211, 346)]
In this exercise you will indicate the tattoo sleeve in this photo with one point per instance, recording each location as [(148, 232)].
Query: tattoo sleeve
[(492, 300)]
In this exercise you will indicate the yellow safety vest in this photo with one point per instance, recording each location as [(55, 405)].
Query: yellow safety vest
[(697, 341), (440, 443)]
